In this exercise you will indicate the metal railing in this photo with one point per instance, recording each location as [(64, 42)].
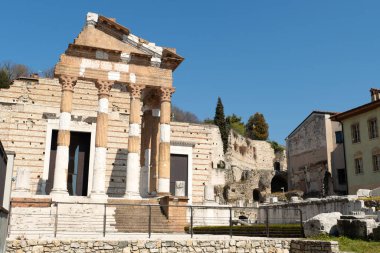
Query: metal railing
[(57, 219)]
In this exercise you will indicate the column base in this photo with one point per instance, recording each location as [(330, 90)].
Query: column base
[(21, 193), (59, 195), (96, 195), (132, 195)]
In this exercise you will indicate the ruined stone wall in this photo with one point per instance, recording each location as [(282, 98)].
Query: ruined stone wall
[(191, 245), (307, 155), (250, 166), (248, 154)]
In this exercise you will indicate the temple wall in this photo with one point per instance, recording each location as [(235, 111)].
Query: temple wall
[(28, 106)]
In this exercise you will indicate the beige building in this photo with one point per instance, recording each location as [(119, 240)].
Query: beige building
[(362, 144), (315, 156)]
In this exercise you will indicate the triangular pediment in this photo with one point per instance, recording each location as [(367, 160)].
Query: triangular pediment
[(104, 33)]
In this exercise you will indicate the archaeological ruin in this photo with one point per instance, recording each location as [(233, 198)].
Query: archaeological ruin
[(100, 132)]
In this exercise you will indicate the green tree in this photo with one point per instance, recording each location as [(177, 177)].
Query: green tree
[(220, 121), (5, 80), (234, 122), (257, 128)]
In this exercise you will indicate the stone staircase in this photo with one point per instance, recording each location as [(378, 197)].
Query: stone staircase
[(129, 217)]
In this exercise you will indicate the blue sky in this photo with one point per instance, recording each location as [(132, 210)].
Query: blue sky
[(283, 58)]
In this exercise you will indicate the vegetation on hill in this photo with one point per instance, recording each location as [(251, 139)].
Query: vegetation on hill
[(257, 128), (180, 115)]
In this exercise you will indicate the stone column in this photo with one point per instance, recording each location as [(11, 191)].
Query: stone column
[(63, 142), (164, 153), (133, 163), (145, 152), (154, 151), (99, 176)]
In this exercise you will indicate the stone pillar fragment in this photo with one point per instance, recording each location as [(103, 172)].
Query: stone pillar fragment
[(155, 142), (133, 162), (63, 142), (164, 148), (180, 188), (145, 152), (22, 187), (99, 176)]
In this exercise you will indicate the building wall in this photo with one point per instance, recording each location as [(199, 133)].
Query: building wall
[(313, 151), (307, 154), (369, 179)]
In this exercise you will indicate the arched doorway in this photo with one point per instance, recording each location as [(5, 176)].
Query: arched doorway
[(279, 183)]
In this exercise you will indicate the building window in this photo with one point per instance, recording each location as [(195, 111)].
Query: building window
[(338, 137), (359, 166), (342, 176), (372, 129), (355, 132), (376, 162)]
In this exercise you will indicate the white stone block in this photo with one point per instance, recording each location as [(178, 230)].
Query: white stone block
[(98, 181), (23, 180), (209, 193), (103, 105), (134, 129), (180, 188), (132, 77), (113, 76), (165, 132), (133, 174), (121, 67), (363, 193), (92, 18), (64, 121), (163, 185)]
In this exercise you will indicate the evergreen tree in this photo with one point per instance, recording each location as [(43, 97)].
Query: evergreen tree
[(257, 128), (220, 121)]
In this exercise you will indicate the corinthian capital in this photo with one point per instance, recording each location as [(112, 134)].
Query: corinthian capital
[(68, 82), (135, 90), (166, 93), (104, 87)]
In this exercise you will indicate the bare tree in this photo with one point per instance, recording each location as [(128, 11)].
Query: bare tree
[(48, 73), (183, 116), (15, 71)]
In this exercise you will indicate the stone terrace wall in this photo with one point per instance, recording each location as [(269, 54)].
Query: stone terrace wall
[(147, 246)]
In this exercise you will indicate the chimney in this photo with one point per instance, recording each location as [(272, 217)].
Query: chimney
[(375, 94)]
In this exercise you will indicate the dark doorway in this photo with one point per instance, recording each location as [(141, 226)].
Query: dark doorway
[(256, 195), (279, 183), (178, 171), (277, 166), (79, 159)]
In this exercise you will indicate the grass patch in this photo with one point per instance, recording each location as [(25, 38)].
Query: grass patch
[(351, 245)]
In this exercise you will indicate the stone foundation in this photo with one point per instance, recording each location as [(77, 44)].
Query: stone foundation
[(147, 246)]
